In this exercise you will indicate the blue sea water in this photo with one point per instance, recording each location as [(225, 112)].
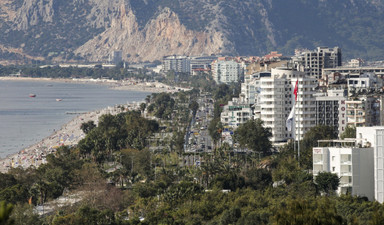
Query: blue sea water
[(25, 120)]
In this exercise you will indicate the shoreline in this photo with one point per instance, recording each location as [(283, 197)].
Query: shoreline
[(123, 85), (69, 134)]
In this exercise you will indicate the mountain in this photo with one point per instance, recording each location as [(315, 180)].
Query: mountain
[(146, 30)]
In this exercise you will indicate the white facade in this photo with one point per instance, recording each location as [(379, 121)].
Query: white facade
[(250, 88), (364, 111), (277, 99), (176, 63), (235, 113), (226, 71), (305, 108), (354, 167), (374, 136), (365, 82), (275, 104)]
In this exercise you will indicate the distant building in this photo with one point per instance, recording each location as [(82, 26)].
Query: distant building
[(356, 63), (364, 83), (235, 113), (176, 63), (226, 72), (117, 57), (363, 111), (250, 88), (313, 62), (355, 71), (331, 110), (201, 63)]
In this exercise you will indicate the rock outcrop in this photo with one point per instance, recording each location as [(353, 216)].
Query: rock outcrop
[(163, 35)]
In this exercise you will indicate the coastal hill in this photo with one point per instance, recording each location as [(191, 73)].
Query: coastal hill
[(146, 30)]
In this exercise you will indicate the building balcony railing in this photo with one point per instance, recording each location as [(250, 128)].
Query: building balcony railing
[(346, 173), (318, 162), (345, 185)]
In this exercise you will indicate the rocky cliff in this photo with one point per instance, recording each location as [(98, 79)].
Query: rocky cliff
[(162, 35), (147, 30)]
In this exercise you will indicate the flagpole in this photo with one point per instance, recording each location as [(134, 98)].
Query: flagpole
[(298, 118)]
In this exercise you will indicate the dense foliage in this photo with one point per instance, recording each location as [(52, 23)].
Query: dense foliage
[(130, 169), (253, 135)]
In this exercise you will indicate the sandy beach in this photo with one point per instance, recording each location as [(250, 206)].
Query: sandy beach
[(70, 133)]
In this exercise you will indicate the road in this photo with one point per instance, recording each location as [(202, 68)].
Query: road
[(198, 139)]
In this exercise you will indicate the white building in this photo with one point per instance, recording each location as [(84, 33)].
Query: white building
[(364, 111), (277, 99), (250, 88), (374, 136), (354, 166), (364, 83), (226, 71), (235, 113), (305, 108), (276, 102), (176, 64)]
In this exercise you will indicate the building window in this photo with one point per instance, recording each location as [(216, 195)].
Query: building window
[(333, 169)]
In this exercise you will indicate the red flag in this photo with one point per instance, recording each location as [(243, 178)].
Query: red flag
[(295, 90)]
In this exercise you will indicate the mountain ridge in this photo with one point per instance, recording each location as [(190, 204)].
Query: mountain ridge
[(147, 30)]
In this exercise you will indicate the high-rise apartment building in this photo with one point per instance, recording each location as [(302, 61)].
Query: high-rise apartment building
[(226, 72), (305, 108), (363, 111), (331, 110), (176, 64), (313, 62)]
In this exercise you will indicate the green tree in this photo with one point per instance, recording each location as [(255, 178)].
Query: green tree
[(5, 213), (319, 132), (254, 136), (258, 178), (327, 182), (87, 126), (142, 107), (214, 129), (349, 132), (194, 106), (307, 212)]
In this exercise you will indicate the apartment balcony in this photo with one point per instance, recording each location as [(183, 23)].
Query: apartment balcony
[(345, 185), (346, 162), (318, 162), (267, 112), (345, 173)]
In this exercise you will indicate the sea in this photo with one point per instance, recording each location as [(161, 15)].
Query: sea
[(26, 120)]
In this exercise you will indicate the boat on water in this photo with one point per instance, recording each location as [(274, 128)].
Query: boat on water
[(32, 95), (59, 99)]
